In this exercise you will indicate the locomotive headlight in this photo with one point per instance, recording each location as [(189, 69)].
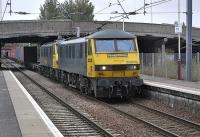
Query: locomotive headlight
[(131, 67), (103, 67)]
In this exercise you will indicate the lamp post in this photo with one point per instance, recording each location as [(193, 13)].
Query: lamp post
[(189, 41), (179, 43)]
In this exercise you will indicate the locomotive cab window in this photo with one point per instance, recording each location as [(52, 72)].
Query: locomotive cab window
[(70, 51), (60, 50), (73, 52), (89, 47), (125, 45), (105, 46), (45, 52), (50, 51), (81, 51), (66, 52), (115, 45)]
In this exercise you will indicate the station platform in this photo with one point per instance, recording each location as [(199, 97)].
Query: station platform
[(184, 88), (20, 115), (195, 86)]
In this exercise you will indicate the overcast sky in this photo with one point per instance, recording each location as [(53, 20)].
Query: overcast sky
[(169, 9)]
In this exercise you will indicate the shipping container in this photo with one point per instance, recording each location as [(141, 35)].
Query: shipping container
[(30, 55), (12, 52), (24, 54), (18, 53)]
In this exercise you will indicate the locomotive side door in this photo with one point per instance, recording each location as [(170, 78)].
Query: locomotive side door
[(90, 68)]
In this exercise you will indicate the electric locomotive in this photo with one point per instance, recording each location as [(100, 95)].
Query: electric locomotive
[(49, 60), (105, 64)]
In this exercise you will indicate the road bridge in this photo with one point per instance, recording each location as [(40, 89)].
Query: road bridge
[(46, 28), (151, 36)]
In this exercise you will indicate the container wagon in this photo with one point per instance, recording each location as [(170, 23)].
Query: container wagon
[(30, 56)]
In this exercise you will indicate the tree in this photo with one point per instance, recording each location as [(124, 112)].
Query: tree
[(77, 10), (50, 10)]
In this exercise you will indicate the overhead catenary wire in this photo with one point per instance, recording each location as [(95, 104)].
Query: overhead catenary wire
[(167, 12), (7, 3), (126, 16), (114, 17), (157, 3), (146, 6), (122, 8), (10, 4), (149, 5), (110, 4), (133, 12), (20, 12)]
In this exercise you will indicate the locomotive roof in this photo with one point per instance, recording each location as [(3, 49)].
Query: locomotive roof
[(106, 34), (47, 44), (52, 43), (79, 40)]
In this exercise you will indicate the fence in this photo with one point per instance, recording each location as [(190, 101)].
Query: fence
[(165, 65)]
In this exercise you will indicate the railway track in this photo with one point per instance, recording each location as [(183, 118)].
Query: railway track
[(164, 124), (174, 124), (66, 118)]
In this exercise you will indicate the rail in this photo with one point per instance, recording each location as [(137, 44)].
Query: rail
[(67, 119)]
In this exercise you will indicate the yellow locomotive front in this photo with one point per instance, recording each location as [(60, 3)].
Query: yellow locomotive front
[(113, 63)]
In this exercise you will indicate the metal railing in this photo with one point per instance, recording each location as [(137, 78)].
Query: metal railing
[(165, 65)]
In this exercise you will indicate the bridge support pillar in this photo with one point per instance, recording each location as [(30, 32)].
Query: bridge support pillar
[(163, 54), (163, 50), (160, 47)]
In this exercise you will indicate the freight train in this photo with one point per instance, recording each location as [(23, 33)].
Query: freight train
[(105, 64), (26, 55)]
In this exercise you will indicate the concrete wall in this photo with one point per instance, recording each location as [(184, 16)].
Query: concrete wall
[(10, 29), (174, 99)]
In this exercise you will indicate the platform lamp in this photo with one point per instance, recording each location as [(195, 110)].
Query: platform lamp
[(178, 30)]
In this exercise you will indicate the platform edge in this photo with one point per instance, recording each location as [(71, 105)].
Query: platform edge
[(44, 117)]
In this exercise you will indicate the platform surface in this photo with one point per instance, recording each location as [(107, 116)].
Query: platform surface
[(18, 115), (9, 126), (180, 85)]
